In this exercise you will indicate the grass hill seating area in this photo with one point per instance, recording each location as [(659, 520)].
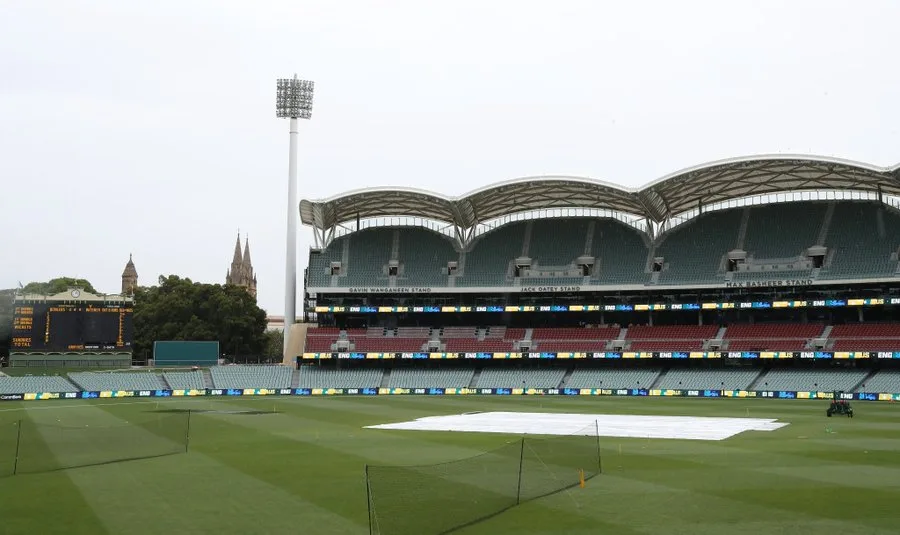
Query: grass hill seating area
[(861, 240)]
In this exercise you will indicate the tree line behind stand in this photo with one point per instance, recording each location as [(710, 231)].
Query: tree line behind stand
[(177, 309)]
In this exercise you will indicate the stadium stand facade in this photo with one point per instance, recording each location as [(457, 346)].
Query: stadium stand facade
[(750, 273)]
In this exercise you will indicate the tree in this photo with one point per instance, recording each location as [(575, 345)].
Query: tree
[(274, 345), (58, 285), (179, 309)]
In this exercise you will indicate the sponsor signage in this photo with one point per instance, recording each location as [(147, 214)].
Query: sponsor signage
[(372, 391), (612, 307)]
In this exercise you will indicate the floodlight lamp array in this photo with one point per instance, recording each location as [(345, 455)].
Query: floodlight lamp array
[(294, 98)]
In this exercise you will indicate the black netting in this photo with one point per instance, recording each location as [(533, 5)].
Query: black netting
[(440, 498), (32, 447)]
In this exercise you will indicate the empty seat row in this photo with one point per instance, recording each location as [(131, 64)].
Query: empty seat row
[(241, 377)]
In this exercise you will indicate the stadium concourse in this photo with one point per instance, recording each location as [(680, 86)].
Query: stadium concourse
[(759, 275)]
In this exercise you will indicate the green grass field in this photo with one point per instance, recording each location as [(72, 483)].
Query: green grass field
[(300, 470)]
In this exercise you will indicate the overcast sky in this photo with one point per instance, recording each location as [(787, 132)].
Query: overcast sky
[(149, 127)]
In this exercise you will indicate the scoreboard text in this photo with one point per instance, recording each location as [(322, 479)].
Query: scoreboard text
[(72, 327)]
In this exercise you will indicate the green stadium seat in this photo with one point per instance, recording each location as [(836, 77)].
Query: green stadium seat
[(106, 381), (423, 256), (557, 241), (489, 262), (24, 385), (859, 245), (707, 379), (620, 253), (693, 251), (612, 378), (241, 377), (783, 230), (185, 380)]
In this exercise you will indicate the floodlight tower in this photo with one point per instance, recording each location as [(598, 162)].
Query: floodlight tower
[(294, 99)]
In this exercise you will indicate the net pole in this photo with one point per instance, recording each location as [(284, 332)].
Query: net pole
[(599, 457), (18, 440), (187, 441), (369, 499), (521, 463)]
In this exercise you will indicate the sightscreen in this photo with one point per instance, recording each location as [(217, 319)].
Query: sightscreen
[(185, 353), (444, 497)]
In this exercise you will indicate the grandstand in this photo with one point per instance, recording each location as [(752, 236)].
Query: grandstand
[(776, 257)]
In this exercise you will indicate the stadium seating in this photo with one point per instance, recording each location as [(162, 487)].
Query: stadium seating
[(104, 381), (612, 378), (693, 251), (861, 239), (783, 230), (620, 254), (318, 272), (557, 242), (369, 254), (387, 344), (488, 262), (422, 256), (315, 377), (251, 376), (23, 385), (185, 380), (883, 381), (572, 339), (320, 339), (810, 380), (669, 337), (417, 378), (771, 337), (501, 378), (866, 337), (708, 379)]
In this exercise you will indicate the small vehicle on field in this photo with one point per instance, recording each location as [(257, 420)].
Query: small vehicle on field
[(839, 406)]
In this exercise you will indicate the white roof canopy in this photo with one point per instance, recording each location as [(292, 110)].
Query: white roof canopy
[(658, 201)]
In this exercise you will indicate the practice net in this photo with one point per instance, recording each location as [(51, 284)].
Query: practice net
[(29, 447), (441, 498)]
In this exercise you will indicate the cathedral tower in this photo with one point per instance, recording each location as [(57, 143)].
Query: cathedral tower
[(129, 278), (241, 271)]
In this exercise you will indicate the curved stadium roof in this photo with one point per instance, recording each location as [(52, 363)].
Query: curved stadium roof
[(657, 201)]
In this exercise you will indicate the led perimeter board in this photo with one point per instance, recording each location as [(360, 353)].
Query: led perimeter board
[(69, 323)]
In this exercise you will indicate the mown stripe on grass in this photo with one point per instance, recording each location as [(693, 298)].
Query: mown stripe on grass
[(334, 458), (25, 498)]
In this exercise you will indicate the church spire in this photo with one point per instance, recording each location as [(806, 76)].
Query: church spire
[(236, 261), (247, 261)]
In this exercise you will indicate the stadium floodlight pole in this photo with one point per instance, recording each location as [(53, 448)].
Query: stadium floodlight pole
[(294, 98)]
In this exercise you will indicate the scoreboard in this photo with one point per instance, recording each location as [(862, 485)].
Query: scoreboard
[(49, 326)]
